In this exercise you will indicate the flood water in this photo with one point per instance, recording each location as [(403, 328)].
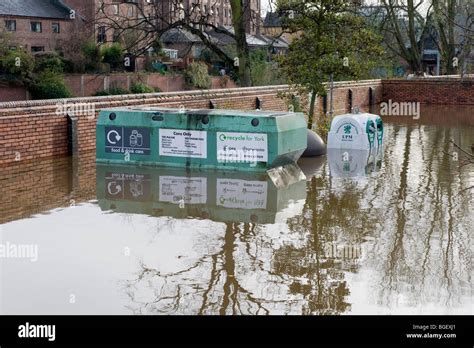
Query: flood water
[(389, 236)]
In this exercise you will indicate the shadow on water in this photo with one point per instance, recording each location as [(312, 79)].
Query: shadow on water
[(361, 235)]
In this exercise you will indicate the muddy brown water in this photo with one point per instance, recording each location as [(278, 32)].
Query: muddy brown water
[(392, 236)]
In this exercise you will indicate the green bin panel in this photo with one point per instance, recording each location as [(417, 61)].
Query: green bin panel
[(221, 139)]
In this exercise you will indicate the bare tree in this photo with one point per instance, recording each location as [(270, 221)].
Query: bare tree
[(408, 23), (455, 25), (154, 19)]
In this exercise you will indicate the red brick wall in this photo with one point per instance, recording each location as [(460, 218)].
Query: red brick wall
[(87, 85), (32, 187), (12, 93), (444, 91), (360, 96), (25, 136)]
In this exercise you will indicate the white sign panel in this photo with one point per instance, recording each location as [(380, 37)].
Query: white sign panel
[(241, 194), (183, 143), (183, 190), (242, 145)]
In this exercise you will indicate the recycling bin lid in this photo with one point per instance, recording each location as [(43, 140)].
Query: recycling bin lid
[(220, 112)]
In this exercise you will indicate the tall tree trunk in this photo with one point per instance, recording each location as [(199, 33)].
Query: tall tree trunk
[(414, 54), (239, 21), (445, 15), (416, 47)]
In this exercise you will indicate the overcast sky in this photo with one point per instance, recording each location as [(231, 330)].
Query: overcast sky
[(266, 5)]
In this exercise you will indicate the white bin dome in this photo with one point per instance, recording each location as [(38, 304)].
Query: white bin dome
[(356, 131)]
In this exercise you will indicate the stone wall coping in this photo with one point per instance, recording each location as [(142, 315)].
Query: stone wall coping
[(167, 96), (445, 78)]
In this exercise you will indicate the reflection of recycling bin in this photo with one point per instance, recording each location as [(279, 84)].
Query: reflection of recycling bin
[(136, 139), (346, 163), (216, 195), (356, 131)]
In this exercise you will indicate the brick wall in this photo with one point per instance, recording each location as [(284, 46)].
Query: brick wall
[(27, 136), (444, 91), (32, 187), (12, 93), (88, 84), (360, 96)]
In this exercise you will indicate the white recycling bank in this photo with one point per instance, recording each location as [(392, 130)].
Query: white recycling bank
[(355, 144), (356, 132)]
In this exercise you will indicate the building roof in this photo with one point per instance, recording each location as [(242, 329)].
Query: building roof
[(34, 8), (277, 42), (272, 19), (223, 39), (176, 35)]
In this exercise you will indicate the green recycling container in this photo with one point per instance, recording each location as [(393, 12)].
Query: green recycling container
[(219, 139)]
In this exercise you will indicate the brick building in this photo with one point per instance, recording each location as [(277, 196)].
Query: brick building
[(98, 15), (37, 25), (218, 12), (60, 25), (44, 25)]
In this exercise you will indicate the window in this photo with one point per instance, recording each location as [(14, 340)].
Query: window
[(116, 9), (12, 48), (101, 35), (36, 27), (130, 11), (37, 48), (10, 25), (56, 28)]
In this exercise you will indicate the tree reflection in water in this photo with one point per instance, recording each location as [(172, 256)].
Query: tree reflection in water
[(255, 273), (409, 219)]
